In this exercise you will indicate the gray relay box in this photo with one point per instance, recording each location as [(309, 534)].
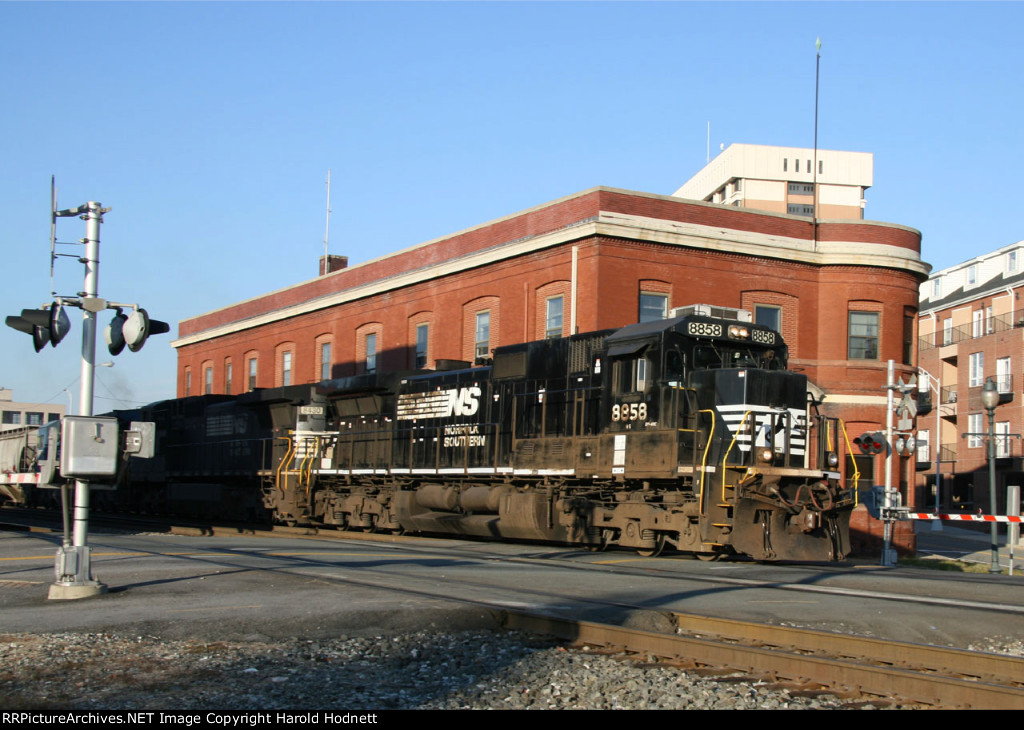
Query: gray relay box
[(89, 446)]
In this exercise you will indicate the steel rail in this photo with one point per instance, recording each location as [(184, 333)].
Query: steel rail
[(998, 668), (845, 674)]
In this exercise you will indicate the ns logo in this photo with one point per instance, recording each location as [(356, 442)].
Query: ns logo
[(463, 401)]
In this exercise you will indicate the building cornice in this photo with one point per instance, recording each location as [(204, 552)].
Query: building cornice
[(739, 236)]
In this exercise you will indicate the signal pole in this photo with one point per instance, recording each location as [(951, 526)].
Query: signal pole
[(87, 450), (73, 564)]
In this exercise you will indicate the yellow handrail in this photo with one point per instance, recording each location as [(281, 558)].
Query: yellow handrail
[(284, 461), (704, 458), (735, 436), (306, 469), (856, 472)]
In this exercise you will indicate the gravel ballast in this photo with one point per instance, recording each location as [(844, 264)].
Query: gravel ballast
[(426, 670)]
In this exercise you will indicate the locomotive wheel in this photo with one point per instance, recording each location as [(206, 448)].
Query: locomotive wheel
[(659, 545), (709, 557)]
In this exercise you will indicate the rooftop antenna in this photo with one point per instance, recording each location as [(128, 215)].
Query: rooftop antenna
[(817, 67), (327, 230)]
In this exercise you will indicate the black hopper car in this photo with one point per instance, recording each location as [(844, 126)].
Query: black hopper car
[(686, 433)]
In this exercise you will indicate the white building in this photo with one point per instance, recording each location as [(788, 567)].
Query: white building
[(783, 179), (15, 415)]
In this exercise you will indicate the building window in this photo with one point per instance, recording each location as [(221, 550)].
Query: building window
[(653, 306), (188, 382), (977, 369), (801, 188), (800, 209), (325, 361), (371, 352), (947, 331), (1002, 436), (972, 275), (227, 377), (208, 380), (553, 318), (974, 432), (924, 437), (1011, 261), (908, 337), (863, 337), (12, 418), (936, 288), (422, 343), (797, 161), (1004, 381), (286, 368), (33, 419), (482, 335), (785, 164), (252, 373), (990, 320), (769, 316)]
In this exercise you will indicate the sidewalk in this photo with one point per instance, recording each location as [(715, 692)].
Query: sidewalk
[(963, 543)]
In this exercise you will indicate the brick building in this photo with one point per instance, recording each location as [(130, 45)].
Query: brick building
[(972, 329), (843, 293)]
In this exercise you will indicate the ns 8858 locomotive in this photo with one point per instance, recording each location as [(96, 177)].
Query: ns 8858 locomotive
[(686, 433)]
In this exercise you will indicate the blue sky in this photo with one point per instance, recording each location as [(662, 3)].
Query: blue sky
[(209, 129)]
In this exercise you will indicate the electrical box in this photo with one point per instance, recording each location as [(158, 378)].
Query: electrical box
[(89, 447), (140, 439)]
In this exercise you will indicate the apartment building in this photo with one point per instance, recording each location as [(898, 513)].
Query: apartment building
[(971, 325)]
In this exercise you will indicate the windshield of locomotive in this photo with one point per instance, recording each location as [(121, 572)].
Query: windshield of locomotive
[(715, 355)]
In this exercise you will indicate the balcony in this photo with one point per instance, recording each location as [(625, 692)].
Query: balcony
[(974, 330), (947, 402)]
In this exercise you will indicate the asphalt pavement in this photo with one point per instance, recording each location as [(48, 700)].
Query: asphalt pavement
[(969, 544)]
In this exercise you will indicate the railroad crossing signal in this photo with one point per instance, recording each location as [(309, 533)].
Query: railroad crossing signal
[(46, 325), (132, 330), (906, 409), (905, 446), (871, 443)]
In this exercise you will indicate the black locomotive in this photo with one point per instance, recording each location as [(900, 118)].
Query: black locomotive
[(688, 433)]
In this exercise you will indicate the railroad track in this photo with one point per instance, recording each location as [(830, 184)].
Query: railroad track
[(817, 661)]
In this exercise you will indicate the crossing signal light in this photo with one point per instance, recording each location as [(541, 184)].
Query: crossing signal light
[(138, 327), (871, 443), (45, 325), (114, 334)]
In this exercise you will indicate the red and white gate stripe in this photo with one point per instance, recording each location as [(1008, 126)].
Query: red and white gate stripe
[(19, 479), (964, 518)]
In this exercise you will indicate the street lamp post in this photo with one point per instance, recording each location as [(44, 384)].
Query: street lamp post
[(935, 384), (990, 399)]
